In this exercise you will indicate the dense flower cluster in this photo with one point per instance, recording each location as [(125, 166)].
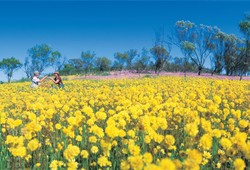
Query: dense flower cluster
[(148, 123)]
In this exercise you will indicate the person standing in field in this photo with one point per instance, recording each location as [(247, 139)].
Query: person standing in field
[(36, 81), (57, 80)]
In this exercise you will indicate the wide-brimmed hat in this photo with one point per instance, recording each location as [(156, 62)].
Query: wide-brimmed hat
[(56, 72), (36, 72)]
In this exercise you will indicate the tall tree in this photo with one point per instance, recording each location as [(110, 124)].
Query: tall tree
[(120, 60), (103, 63), (160, 51), (245, 57), (217, 59), (9, 65), (231, 56), (87, 61), (28, 68), (226, 47), (142, 61), (72, 66), (38, 59), (196, 41), (225, 53), (131, 54), (76, 63), (161, 56), (57, 60)]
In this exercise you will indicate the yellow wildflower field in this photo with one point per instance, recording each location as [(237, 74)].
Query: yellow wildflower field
[(147, 123)]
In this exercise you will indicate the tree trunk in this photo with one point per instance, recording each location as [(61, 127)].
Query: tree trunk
[(199, 72)]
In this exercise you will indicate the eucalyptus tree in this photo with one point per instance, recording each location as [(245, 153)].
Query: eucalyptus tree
[(160, 51), (245, 57), (87, 59), (9, 65), (142, 61), (131, 54), (120, 60), (195, 41), (57, 60), (226, 53), (39, 58), (102, 63)]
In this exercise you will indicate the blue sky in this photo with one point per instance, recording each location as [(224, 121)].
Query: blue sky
[(105, 27)]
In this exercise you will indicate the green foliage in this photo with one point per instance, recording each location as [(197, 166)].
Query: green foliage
[(39, 59), (178, 64), (103, 63), (121, 59), (161, 56), (131, 54), (147, 76), (245, 26), (244, 60), (195, 41), (9, 65), (142, 61), (70, 69), (87, 59), (57, 61)]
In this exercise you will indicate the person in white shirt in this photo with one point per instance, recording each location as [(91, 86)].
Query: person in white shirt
[(36, 81)]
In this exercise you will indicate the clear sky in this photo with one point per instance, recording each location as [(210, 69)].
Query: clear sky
[(105, 27)]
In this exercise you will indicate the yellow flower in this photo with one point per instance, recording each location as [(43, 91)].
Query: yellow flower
[(190, 164), (195, 155), (58, 126), (78, 138), (92, 139), (65, 108), (207, 155), (38, 164), (72, 165), (19, 151), (53, 165), (225, 143), (191, 129), (147, 139), (17, 122), (217, 99), (136, 162), (167, 164), (147, 158), (125, 165), (101, 115), (94, 149), (218, 165), (239, 164), (72, 121), (206, 142), (84, 154), (103, 161), (243, 123), (71, 152), (169, 140), (33, 144), (216, 133), (131, 133), (59, 146), (134, 149)]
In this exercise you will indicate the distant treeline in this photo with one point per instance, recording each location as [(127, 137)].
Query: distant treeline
[(198, 43)]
